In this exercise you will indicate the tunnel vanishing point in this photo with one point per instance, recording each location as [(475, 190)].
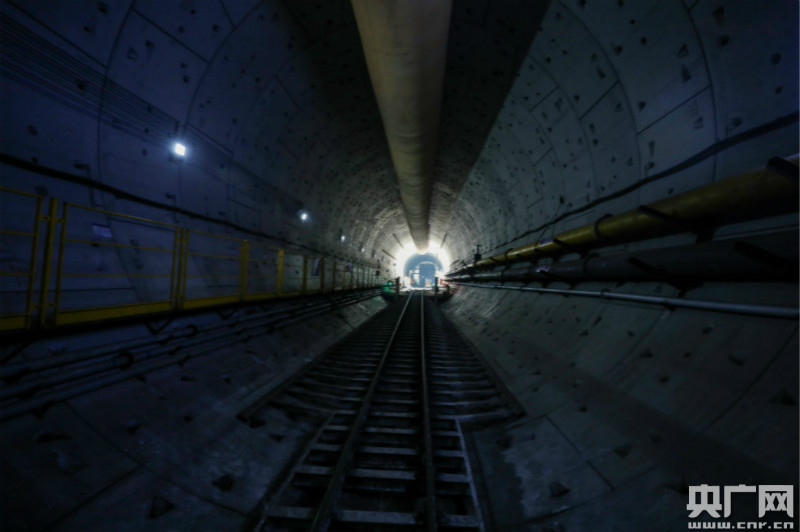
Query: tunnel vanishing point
[(207, 213)]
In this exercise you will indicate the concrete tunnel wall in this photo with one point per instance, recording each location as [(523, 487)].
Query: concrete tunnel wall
[(164, 450), (554, 115)]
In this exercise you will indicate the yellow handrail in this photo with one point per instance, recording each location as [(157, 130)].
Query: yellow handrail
[(24, 317), (86, 289)]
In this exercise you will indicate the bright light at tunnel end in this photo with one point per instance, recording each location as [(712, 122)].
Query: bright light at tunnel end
[(179, 149), (409, 250)]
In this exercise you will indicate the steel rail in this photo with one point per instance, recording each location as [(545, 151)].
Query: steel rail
[(265, 515), (322, 517), (407, 464), (430, 472)]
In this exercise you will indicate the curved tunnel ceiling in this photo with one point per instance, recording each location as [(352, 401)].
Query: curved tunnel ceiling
[(551, 112)]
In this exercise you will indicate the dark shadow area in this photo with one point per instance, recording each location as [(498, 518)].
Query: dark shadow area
[(487, 45)]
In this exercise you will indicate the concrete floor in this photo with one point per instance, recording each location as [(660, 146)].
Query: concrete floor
[(164, 451), (625, 407)]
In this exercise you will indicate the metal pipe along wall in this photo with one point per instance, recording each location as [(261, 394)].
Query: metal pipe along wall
[(405, 45), (766, 189)]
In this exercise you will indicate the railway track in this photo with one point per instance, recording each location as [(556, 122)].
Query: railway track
[(390, 454)]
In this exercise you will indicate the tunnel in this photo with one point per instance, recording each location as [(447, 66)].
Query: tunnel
[(204, 202)]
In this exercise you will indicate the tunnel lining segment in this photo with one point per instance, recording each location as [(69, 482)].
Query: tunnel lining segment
[(733, 198)]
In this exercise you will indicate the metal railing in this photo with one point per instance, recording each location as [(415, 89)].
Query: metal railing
[(17, 276), (69, 263)]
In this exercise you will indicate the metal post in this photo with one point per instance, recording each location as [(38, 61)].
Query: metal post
[(175, 269), (32, 273), (60, 264), (321, 275), (280, 271), (50, 236), (184, 262), (244, 266), (305, 273)]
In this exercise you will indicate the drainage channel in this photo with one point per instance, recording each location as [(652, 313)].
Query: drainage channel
[(391, 453)]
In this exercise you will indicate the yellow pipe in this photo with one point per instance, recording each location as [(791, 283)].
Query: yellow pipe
[(405, 46), (731, 196)]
